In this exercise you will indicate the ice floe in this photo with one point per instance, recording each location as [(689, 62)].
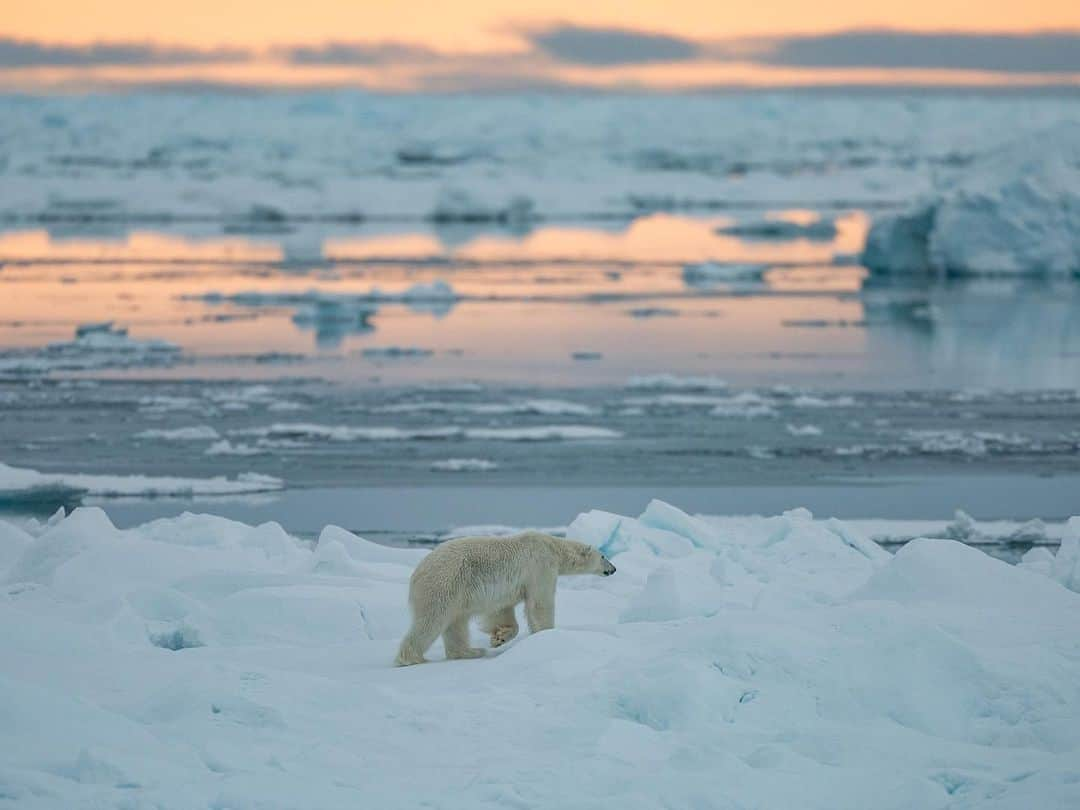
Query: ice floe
[(704, 274), (224, 447), (20, 484), (396, 352), (818, 229), (542, 407), (95, 346), (770, 662), (464, 465), (542, 433), (194, 433), (353, 433), (676, 382)]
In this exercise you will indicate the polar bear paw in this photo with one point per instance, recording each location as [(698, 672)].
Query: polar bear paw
[(502, 634)]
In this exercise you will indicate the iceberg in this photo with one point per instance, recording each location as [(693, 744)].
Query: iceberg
[(1015, 211)]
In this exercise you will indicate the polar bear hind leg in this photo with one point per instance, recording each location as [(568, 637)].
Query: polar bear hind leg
[(456, 640), (421, 635)]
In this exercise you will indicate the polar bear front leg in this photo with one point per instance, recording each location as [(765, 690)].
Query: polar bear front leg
[(540, 605), (501, 625), (456, 640)]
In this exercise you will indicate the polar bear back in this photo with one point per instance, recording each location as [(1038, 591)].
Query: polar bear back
[(475, 575)]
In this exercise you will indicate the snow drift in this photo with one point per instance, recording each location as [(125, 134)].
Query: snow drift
[(1016, 211), (772, 662)]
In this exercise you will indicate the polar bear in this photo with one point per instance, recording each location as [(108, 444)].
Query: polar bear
[(488, 577)]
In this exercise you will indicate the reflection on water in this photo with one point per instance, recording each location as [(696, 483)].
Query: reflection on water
[(659, 294)]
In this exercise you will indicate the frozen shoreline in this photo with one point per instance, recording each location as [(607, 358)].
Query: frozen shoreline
[(772, 661)]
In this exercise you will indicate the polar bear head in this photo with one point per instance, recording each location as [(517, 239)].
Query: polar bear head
[(581, 558)]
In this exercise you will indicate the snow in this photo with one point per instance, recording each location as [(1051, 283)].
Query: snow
[(1065, 565), (1016, 211), (762, 662), (21, 484)]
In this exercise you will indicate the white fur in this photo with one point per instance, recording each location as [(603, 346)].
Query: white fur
[(489, 577)]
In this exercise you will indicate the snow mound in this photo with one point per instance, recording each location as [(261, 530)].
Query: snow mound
[(774, 662), (1016, 211), (19, 484)]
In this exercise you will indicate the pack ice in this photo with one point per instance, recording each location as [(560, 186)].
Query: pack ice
[(779, 662), (1016, 211)]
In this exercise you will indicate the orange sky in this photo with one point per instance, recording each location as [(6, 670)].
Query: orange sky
[(489, 24), (473, 29)]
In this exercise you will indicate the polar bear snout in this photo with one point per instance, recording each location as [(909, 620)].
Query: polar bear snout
[(608, 568)]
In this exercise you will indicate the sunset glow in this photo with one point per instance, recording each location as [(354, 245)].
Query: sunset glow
[(486, 45)]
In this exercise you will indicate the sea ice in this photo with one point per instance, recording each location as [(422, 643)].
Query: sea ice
[(768, 661)]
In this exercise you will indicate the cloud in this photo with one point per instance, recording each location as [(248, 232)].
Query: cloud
[(15, 53), (358, 54), (604, 47), (1049, 52)]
